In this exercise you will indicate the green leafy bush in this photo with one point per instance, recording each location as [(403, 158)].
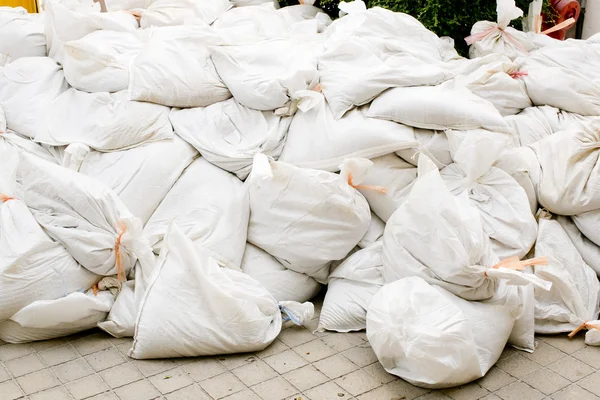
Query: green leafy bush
[(452, 18)]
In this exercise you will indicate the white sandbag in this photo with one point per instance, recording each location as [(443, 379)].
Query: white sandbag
[(588, 250), (210, 310), (395, 175), (434, 144), (306, 218), (21, 34), (284, 284), (246, 3), (2, 121), (134, 175), (504, 206), (24, 144), (177, 12), (261, 82), (32, 266), (259, 21), (534, 123), (574, 297), (446, 106), (587, 223), (99, 61), (592, 336), (501, 84), (229, 135), (85, 216), (497, 37), (49, 319), (103, 121), (353, 73), (28, 86), (211, 207), (433, 339), (118, 5), (565, 78), (351, 288), (441, 239), (374, 233), (175, 69), (569, 178), (317, 140), (64, 23), (522, 165)]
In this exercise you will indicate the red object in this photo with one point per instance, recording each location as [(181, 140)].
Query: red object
[(565, 9)]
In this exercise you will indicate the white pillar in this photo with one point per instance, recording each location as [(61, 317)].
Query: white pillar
[(591, 23)]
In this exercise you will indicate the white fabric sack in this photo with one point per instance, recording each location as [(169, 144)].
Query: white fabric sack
[(84, 215), (534, 123), (28, 86), (246, 3), (522, 165), (592, 336), (261, 82), (317, 140), (351, 287), (257, 21), (491, 37), (229, 135), (49, 319), (504, 206), (175, 69), (588, 250), (32, 266), (574, 297), (306, 218), (441, 239), (211, 207), (433, 339), (374, 233), (64, 23), (2, 121), (434, 144), (395, 175), (195, 308), (446, 106), (284, 284), (587, 223), (176, 12), (135, 175), (565, 78), (353, 73), (568, 160), (21, 34), (22, 143), (99, 61), (103, 121), (117, 5), (494, 83)]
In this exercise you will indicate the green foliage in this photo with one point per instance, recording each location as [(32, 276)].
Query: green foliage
[(452, 18)]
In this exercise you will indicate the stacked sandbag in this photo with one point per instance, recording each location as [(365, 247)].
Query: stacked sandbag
[(21, 34)]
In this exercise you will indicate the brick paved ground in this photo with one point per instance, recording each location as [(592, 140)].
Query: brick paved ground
[(298, 365)]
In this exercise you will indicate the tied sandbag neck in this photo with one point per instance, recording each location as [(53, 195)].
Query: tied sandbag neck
[(586, 325), (515, 264), (518, 74), (4, 198), (120, 271), (378, 189), (482, 35)]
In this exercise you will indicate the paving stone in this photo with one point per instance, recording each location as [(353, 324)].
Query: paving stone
[(4, 375), (24, 365), (574, 392), (338, 341), (296, 336), (72, 370), (589, 355), (564, 344), (544, 354), (471, 391), (518, 366), (10, 390), (140, 390), (104, 396), (519, 391), (170, 381), (37, 381), (58, 355), (105, 359), (152, 367), (305, 378), (328, 391), (192, 392), (247, 394), (203, 368), (335, 366), (285, 362), (546, 381), (358, 382), (571, 368), (121, 375), (13, 351), (254, 373), (275, 389), (222, 385), (87, 387), (91, 344), (361, 356), (233, 361), (496, 379), (314, 351), (377, 371), (393, 391), (57, 393), (591, 383)]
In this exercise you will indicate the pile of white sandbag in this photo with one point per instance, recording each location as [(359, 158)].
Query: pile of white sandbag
[(190, 173)]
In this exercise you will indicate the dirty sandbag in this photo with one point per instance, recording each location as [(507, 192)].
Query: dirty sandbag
[(210, 310), (317, 140), (294, 212), (103, 121), (229, 134), (211, 207), (84, 216), (434, 144), (32, 84), (32, 266), (432, 338), (21, 34), (99, 61), (350, 289), (283, 283)]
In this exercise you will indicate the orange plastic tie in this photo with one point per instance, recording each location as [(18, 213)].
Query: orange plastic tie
[(318, 88), (518, 74), (579, 329), (95, 289), (515, 264), (120, 272), (563, 25), (481, 35), (379, 189), (4, 198)]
